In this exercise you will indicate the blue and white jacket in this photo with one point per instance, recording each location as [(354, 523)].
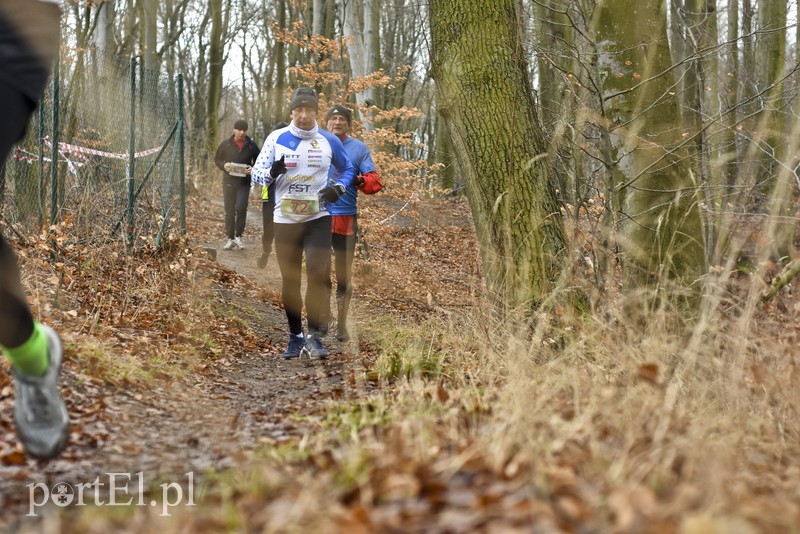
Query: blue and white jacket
[(309, 155)]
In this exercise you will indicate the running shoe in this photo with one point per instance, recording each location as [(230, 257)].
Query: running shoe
[(296, 345), (40, 415), (315, 349)]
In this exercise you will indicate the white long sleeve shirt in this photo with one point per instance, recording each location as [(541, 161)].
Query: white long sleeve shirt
[(309, 155)]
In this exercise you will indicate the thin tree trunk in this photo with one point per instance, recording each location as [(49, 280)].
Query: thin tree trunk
[(104, 36), (150, 20), (278, 107), (318, 21), (214, 78), (772, 18), (730, 97)]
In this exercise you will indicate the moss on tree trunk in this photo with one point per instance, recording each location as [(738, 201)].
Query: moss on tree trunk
[(484, 96), (660, 221)]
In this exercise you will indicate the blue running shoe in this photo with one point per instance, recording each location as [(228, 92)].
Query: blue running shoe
[(296, 345), (315, 349)]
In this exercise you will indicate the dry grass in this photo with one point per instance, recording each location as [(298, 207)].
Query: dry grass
[(628, 419)]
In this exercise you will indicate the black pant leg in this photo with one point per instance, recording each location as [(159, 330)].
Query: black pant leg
[(289, 252), (344, 249), (229, 193), (268, 215), (242, 195), (16, 321), (317, 245)]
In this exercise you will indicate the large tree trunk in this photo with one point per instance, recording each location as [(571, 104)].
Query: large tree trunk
[(661, 222), (483, 92)]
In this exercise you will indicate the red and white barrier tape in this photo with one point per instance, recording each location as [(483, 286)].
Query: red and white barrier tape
[(75, 149), (20, 154)]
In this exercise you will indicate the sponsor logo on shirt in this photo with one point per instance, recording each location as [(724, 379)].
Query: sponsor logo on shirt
[(300, 178)]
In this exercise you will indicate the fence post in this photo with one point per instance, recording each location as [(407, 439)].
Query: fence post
[(54, 140), (181, 168), (131, 149), (40, 143)]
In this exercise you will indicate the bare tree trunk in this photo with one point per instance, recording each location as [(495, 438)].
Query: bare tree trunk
[(104, 35), (747, 111), (278, 112), (374, 42), (358, 29), (318, 21), (551, 29), (703, 106), (772, 20), (677, 42), (150, 20), (484, 96), (214, 78), (662, 223), (128, 34), (730, 97)]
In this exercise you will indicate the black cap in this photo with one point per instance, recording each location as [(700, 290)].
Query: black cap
[(241, 124), (338, 109), (304, 96)]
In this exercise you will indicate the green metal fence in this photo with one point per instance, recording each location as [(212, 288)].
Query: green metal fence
[(116, 133)]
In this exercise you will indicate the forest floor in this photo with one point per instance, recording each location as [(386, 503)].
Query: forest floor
[(172, 376)]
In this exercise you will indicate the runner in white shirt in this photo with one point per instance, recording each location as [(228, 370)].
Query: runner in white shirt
[(298, 159)]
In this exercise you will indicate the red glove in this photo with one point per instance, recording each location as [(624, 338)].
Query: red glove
[(369, 183)]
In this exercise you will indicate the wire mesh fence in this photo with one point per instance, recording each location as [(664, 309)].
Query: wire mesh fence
[(97, 112)]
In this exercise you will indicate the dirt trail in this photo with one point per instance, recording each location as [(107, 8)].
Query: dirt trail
[(195, 423)]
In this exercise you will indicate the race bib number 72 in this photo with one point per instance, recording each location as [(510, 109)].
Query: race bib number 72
[(299, 206)]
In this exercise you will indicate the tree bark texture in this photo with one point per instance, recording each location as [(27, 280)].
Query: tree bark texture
[(483, 93), (215, 47), (660, 223)]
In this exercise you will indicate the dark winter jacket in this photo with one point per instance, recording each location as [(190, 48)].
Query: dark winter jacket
[(229, 151)]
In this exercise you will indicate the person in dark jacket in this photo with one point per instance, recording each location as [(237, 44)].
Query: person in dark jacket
[(235, 158)]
